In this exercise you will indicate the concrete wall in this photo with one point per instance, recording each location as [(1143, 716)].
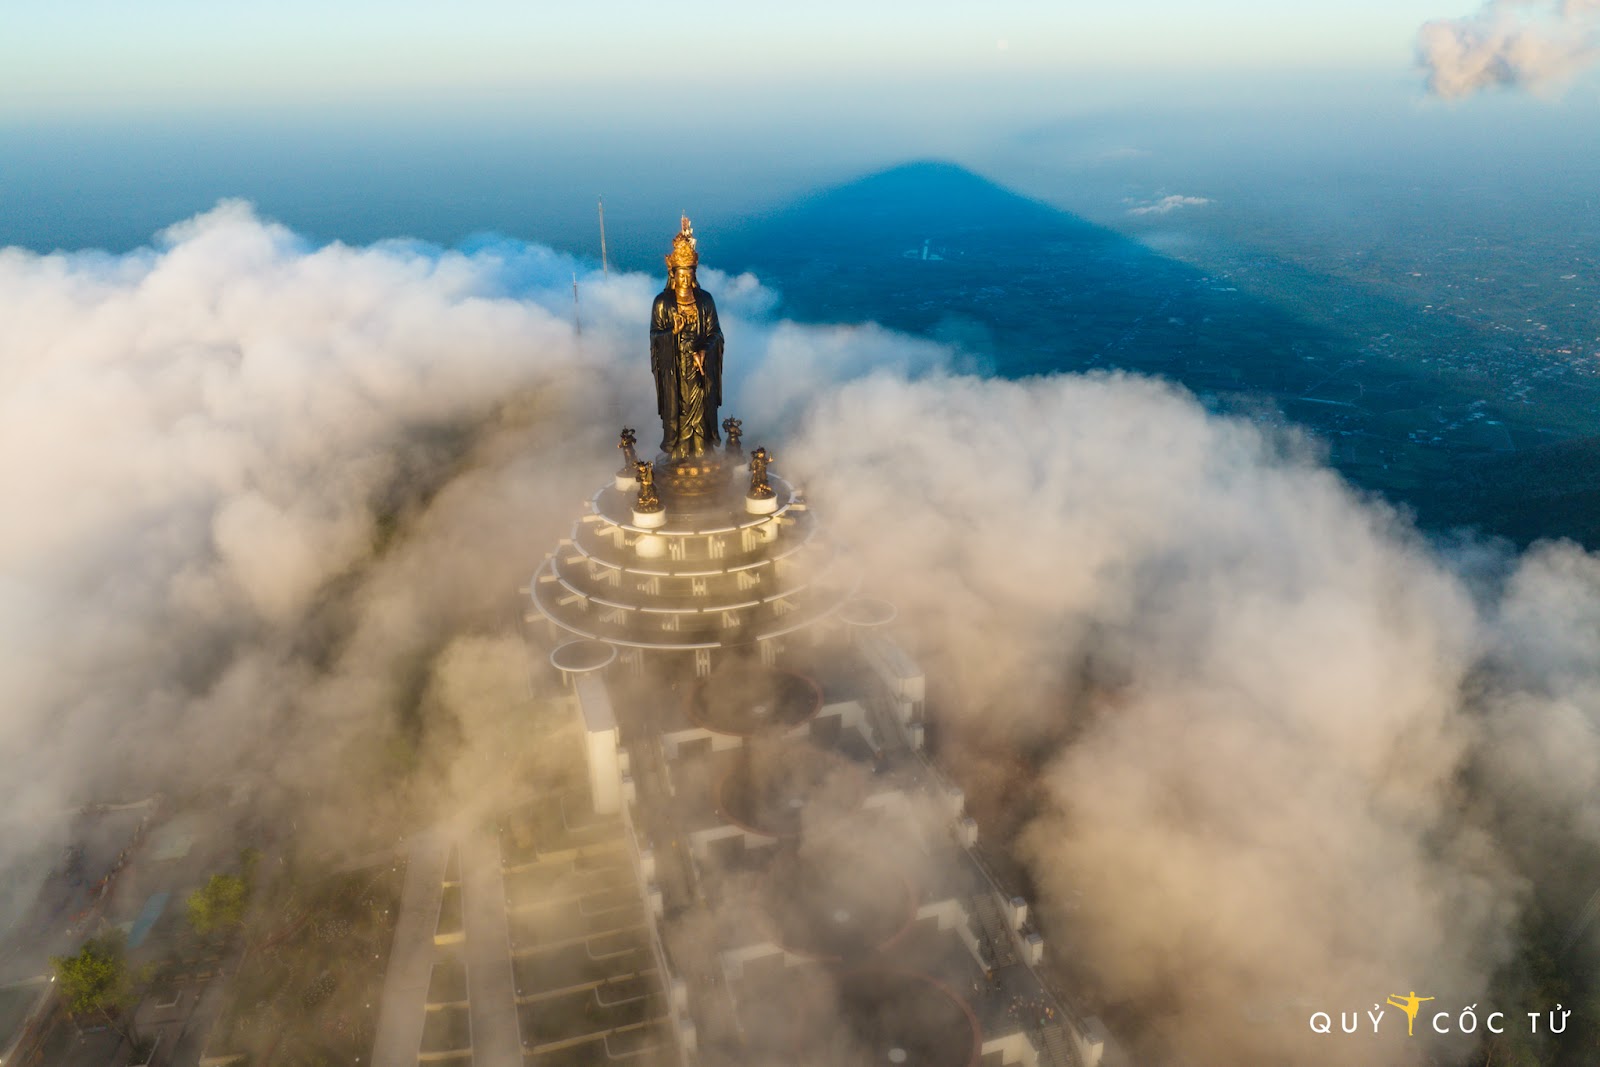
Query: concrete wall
[(600, 734)]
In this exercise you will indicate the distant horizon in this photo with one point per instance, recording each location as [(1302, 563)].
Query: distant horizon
[(407, 121), (361, 176), (165, 55)]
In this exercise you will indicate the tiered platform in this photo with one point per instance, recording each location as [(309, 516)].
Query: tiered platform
[(711, 575)]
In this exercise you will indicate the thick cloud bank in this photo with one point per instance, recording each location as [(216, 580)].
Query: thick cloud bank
[(253, 488), (1512, 44), (1242, 687), (1268, 751)]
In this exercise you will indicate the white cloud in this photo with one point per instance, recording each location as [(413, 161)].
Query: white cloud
[(1513, 44), (1168, 204)]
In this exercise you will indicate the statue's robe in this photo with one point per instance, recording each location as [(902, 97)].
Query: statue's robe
[(686, 401)]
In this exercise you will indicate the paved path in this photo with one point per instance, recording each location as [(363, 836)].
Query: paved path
[(496, 1038), (405, 986), (189, 1043)]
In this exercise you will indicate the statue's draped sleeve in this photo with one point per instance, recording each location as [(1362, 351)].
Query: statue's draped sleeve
[(713, 336), (664, 366)]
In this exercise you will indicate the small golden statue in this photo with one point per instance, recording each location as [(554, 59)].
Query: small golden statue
[(630, 457), (730, 428), (760, 488), (648, 500)]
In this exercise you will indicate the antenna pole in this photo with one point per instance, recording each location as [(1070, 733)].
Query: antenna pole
[(605, 267), (577, 323)]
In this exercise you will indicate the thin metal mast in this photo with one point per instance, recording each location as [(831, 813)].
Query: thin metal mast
[(577, 323), (605, 267)]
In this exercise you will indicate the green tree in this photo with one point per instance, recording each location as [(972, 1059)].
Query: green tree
[(219, 904), (98, 981)]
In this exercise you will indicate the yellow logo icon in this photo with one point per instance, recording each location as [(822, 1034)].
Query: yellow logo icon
[(1408, 1004)]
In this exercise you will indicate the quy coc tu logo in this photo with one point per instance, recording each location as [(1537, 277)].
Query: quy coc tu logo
[(1410, 1004)]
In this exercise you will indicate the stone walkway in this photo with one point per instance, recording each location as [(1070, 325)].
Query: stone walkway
[(405, 987), (495, 1035)]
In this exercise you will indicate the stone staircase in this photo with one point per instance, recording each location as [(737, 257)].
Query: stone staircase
[(993, 931), (1056, 1048)]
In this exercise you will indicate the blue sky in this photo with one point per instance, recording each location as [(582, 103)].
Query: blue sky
[(360, 120), (98, 56)]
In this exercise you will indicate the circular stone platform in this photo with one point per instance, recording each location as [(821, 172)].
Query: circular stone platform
[(743, 701), (835, 907), (867, 611), (582, 656), (875, 1017), (897, 1011), (710, 579), (775, 792)]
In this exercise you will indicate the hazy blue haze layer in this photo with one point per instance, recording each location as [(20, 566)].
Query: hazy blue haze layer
[(1459, 243)]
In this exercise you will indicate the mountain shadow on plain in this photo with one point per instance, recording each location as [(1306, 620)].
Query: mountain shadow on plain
[(1021, 288)]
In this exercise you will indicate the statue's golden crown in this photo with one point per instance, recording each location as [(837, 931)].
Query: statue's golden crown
[(683, 253)]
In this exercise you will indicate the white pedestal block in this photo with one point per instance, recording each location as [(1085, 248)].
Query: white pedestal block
[(650, 520), (626, 482), (761, 505), (650, 546), (600, 727)]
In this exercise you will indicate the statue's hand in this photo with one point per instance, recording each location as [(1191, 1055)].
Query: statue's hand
[(700, 363)]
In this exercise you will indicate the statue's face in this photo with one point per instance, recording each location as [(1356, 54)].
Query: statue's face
[(683, 280)]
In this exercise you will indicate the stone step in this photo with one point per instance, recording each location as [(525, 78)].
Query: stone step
[(993, 930), (1057, 1051)]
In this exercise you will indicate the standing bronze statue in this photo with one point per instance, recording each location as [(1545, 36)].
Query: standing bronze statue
[(630, 457), (686, 355), (760, 488), (733, 429), (649, 500)]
